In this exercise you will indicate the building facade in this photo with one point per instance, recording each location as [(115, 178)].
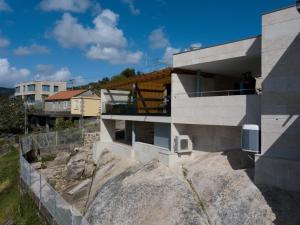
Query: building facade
[(38, 91), (210, 94)]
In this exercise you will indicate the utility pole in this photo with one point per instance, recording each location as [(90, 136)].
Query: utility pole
[(25, 119)]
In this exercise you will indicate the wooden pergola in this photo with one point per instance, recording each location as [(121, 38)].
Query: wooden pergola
[(161, 77), (149, 90)]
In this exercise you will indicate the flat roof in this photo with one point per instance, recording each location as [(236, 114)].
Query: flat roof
[(34, 81), (279, 9), (216, 45)]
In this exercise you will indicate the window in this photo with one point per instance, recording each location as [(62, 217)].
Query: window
[(55, 88), (46, 88), (30, 98), (18, 89), (31, 87)]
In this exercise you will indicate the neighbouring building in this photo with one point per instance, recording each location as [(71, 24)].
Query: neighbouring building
[(38, 91), (74, 102), (202, 103), (71, 104)]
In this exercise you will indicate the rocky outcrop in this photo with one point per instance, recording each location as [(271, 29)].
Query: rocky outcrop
[(212, 188), (145, 195), (224, 184)]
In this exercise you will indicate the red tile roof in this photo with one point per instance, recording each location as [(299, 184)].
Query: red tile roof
[(65, 95)]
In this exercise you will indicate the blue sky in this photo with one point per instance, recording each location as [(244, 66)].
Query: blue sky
[(86, 40)]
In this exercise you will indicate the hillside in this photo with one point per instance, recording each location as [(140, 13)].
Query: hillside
[(6, 91)]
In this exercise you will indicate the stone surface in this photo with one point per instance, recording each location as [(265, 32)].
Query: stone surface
[(37, 165), (147, 195), (63, 157), (76, 166), (229, 195)]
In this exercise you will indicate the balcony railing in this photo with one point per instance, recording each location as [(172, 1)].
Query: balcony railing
[(163, 109), (219, 93)]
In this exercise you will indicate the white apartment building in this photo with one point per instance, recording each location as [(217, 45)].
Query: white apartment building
[(202, 103), (37, 91)]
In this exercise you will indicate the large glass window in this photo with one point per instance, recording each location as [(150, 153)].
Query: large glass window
[(31, 87), (18, 89), (56, 89), (30, 98), (46, 88)]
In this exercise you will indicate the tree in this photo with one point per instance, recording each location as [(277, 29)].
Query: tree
[(12, 114)]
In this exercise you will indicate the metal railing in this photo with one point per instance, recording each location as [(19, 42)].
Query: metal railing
[(218, 93), (62, 212)]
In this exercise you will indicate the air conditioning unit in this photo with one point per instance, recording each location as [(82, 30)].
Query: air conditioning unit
[(183, 144), (250, 140)]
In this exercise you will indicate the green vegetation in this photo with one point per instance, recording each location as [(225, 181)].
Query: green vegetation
[(11, 115), (13, 206), (96, 86), (63, 124)]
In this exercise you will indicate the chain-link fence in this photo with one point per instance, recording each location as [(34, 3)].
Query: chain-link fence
[(51, 140), (62, 212)]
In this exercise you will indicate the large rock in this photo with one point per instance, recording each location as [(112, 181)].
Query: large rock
[(108, 167), (76, 166), (230, 197), (62, 157), (145, 195)]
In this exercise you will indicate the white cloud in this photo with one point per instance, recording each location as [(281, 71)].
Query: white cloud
[(158, 39), (77, 6), (168, 55), (114, 55), (4, 6), (4, 42), (133, 9), (10, 75), (46, 72), (69, 33), (32, 49), (104, 41)]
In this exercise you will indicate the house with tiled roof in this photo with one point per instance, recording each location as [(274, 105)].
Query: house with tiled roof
[(75, 102)]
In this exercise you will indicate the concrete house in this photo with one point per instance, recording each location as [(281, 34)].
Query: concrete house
[(202, 103), (38, 91)]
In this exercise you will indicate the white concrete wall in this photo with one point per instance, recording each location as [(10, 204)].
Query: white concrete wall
[(221, 52), (211, 138), (279, 162), (107, 130), (234, 110)]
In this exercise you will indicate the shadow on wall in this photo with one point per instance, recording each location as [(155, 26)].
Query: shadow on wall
[(280, 110)]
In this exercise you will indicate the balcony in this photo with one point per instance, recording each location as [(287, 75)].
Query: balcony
[(226, 107), (142, 107)]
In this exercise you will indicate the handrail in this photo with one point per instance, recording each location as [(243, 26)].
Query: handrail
[(203, 93)]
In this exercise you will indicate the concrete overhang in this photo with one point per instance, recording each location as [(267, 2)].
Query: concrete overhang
[(230, 59), (155, 119)]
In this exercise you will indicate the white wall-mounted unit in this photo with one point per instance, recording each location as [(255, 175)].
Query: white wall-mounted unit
[(250, 138), (183, 144)]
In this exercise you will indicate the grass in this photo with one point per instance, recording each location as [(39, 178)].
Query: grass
[(20, 209)]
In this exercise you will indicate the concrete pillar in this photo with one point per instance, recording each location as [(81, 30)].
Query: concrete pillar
[(133, 133), (107, 133), (198, 85)]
